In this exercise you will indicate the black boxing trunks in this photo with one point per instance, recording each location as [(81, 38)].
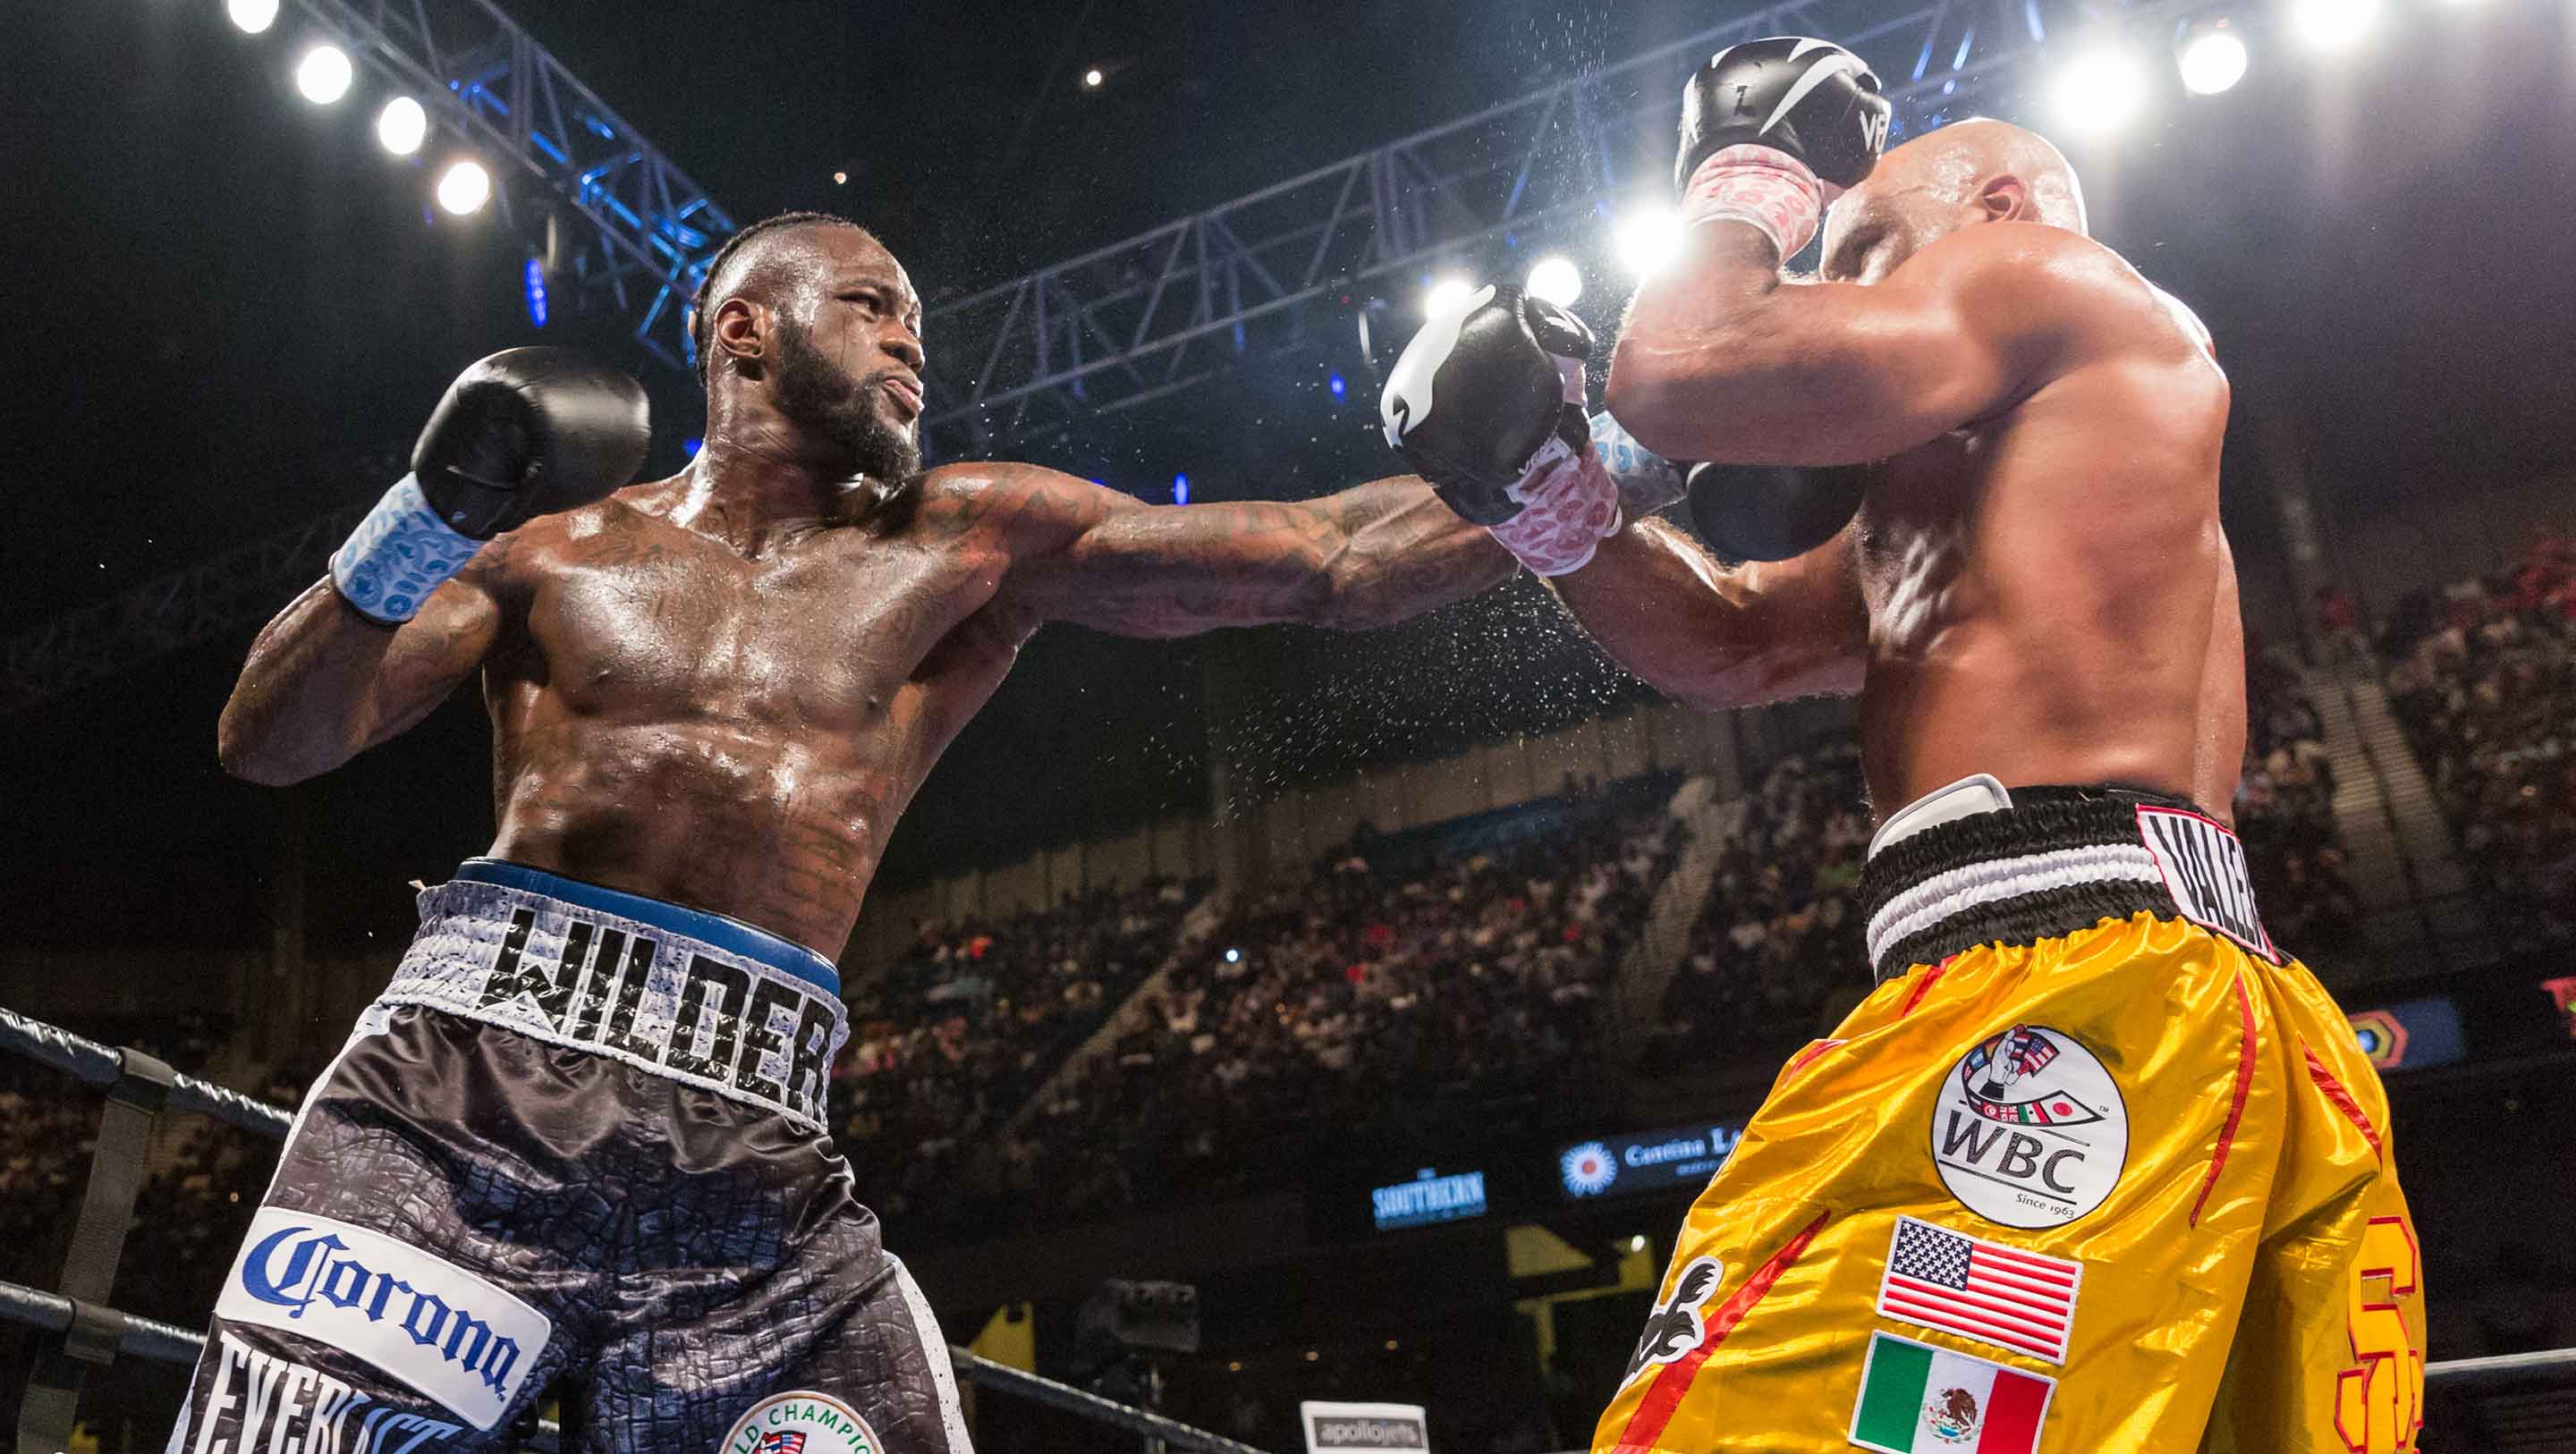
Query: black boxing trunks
[(578, 1142)]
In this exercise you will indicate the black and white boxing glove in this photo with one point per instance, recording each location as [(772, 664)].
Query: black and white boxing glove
[(1772, 130), (523, 433), (1486, 403)]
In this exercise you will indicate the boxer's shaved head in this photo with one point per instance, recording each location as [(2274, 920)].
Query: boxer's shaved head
[(1965, 173)]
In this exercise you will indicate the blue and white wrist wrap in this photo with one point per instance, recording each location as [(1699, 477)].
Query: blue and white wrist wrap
[(398, 555), (1647, 481)]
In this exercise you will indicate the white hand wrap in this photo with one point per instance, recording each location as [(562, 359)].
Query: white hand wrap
[(1569, 506), (398, 555), (1769, 189)]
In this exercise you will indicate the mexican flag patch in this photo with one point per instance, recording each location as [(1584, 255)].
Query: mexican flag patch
[(1918, 1399)]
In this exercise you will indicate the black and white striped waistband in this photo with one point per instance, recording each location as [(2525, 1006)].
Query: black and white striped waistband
[(2058, 860)]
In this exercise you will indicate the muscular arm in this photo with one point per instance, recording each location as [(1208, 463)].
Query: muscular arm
[(1366, 557), (1715, 638), (324, 683), (1724, 359)]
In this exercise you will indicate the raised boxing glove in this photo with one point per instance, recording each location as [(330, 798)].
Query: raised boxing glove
[(1771, 129), (522, 433)]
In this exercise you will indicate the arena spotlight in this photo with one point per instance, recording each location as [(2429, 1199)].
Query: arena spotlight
[(252, 16), (1446, 293), (465, 187), (324, 74), (1557, 280), (2211, 57), (2099, 90), (1645, 238), (1092, 79), (2333, 24), (402, 126)]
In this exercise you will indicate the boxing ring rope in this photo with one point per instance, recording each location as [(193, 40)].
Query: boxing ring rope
[(90, 1061), (159, 1342)]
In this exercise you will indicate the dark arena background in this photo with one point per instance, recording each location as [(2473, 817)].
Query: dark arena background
[(1393, 992)]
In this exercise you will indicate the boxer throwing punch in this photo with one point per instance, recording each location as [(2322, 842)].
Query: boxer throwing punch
[(580, 1134), (2094, 1167)]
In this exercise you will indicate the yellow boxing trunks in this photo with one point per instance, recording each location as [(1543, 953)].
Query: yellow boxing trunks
[(2093, 1169)]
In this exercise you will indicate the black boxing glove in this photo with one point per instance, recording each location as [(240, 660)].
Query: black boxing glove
[(1771, 129), (1486, 403), (1774, 512), (529, 432), (523, 433)]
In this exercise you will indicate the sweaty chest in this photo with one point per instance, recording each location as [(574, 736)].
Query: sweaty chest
[(825, 633)]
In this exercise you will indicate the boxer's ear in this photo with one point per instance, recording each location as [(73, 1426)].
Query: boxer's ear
[(740, 329), (2004, 199)]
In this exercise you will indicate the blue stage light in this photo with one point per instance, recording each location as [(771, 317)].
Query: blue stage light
[(1180, 489), (692, 446), (1338, 385), (535, 275)]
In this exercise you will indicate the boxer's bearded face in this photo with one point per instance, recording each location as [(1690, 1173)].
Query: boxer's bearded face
[(844, 413)]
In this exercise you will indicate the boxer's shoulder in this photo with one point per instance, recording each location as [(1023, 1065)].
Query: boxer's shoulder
[(1019, 503), (2052, 285), (619, 529)]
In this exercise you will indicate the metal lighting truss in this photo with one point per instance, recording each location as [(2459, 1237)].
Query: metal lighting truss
[(1116, 327), (1144, 317), (651, 231)]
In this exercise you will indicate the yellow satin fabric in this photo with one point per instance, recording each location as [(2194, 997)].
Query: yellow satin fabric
[(2288, 1317)]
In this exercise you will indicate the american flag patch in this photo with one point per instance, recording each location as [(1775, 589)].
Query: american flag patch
[(1979, 1289), (785, 1443)]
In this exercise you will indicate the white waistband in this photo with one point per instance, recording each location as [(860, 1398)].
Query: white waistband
[(635, 992)]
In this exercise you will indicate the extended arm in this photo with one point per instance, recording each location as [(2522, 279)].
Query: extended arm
[(324, 683), (1366, 557), (1724, 359), (1715, 638)]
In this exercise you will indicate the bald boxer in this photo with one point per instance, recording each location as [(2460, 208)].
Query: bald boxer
[(2096, 1167), (581, 1133)]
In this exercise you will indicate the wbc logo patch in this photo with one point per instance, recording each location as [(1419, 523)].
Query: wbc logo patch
[(2029, 1129), (802, 1422)]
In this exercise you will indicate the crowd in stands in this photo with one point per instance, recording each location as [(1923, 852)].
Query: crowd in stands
[(2285, 812), (1347, 1004), (1778, 944), (967, 1021), (2483, 680)]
